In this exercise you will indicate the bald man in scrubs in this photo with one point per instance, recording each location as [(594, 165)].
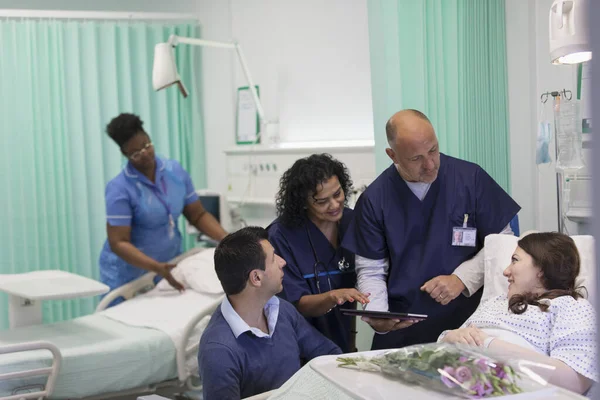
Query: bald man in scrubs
[(418, 231)]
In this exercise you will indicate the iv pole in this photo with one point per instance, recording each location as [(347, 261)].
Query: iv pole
[(559, 177), (556, 95)]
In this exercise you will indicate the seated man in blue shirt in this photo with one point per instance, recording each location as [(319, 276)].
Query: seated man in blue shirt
[(254, 341)]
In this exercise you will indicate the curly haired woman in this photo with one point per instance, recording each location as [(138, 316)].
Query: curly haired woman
[(312, 220)]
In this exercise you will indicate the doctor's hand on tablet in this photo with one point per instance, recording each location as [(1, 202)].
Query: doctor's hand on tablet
[(340, 296), (444, 288), (384, 325)]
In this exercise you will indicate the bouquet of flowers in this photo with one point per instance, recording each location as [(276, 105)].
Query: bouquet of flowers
[(452, 369)]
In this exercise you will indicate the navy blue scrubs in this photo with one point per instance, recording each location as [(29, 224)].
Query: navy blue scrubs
[(293, 245), (391, 222)]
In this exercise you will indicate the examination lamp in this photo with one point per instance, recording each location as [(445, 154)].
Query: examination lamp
[(569, 43), (164, 71)]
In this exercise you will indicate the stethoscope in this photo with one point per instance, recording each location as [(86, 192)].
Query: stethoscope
[(343, 265)]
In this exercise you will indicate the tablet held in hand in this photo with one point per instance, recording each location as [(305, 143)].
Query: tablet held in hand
[(383, 314)]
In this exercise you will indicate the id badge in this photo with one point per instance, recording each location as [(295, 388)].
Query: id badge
[(171, 227), (465, 237)]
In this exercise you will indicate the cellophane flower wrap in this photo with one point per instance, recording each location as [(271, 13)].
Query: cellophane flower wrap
[(456, 370)]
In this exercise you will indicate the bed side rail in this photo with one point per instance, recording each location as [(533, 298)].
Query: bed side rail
[(183, 353), (143, 283), (51, 371), (127, 291)]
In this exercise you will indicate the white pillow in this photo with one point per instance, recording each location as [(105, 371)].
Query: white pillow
[(587, 275), (499, 249), (196, 272)]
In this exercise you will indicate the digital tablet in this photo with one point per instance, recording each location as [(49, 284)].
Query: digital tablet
[(383, 314)]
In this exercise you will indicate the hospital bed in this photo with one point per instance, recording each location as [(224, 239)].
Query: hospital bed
[(147, 344), (321, 378)]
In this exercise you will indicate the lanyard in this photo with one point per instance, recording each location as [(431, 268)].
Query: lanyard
[(164, 203)]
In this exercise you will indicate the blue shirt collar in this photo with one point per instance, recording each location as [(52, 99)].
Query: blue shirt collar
[(131, 172), (239, 326)]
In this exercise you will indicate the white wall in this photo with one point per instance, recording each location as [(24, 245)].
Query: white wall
[(530, 73), (218, 99), (310, 59)]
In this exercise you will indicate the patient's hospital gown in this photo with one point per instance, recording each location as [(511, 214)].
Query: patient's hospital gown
[(565, 332)]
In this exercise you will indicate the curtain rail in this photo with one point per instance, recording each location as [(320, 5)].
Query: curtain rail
[(99, 15)]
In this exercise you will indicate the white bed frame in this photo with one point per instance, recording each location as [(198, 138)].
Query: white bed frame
[(184, 382), (51, 372)]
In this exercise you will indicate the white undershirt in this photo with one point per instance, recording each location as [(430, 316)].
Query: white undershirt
[(420, 189)]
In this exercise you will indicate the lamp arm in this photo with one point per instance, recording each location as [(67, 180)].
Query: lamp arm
[(174, 40), (259, 108)]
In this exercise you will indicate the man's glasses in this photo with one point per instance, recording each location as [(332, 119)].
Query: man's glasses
[(138, 154)]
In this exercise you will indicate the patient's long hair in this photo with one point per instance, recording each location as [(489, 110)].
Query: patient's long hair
[(557, 257)]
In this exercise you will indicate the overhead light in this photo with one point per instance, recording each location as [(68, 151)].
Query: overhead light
[(569, 40), (164, 71)]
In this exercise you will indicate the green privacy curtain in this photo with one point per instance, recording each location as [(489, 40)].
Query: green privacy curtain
[(446, 58), (61, 83)]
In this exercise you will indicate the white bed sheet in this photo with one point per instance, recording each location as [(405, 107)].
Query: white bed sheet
[(100, 355), (123, 347), (169, 312)]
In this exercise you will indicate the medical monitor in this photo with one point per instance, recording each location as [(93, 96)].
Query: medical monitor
[(211, 201), (212, 204)]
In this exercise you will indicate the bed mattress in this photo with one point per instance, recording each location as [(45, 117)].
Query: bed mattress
[(100, 355)]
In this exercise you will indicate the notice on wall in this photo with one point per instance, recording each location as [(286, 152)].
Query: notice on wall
[(247, 117), (584, 85)]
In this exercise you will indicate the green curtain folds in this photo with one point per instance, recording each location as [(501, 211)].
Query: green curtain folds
[(61, 83), (446, 58)]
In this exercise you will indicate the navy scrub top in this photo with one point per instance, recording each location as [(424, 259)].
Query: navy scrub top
[(293, 245), (391, 222)]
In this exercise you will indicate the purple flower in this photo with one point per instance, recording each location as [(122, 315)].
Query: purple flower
[(483, 366), (447, 376), (463, 359), (481, 389), (478, 388), (499, 372), (488, 389), (463, 374)]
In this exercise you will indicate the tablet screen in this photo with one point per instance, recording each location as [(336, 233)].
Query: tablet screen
[(383, 314)]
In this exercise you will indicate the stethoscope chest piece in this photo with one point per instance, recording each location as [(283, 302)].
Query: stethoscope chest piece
[(343, 265)]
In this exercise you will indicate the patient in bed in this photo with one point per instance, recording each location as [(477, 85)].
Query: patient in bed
[(254, 340), (544, 317)]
